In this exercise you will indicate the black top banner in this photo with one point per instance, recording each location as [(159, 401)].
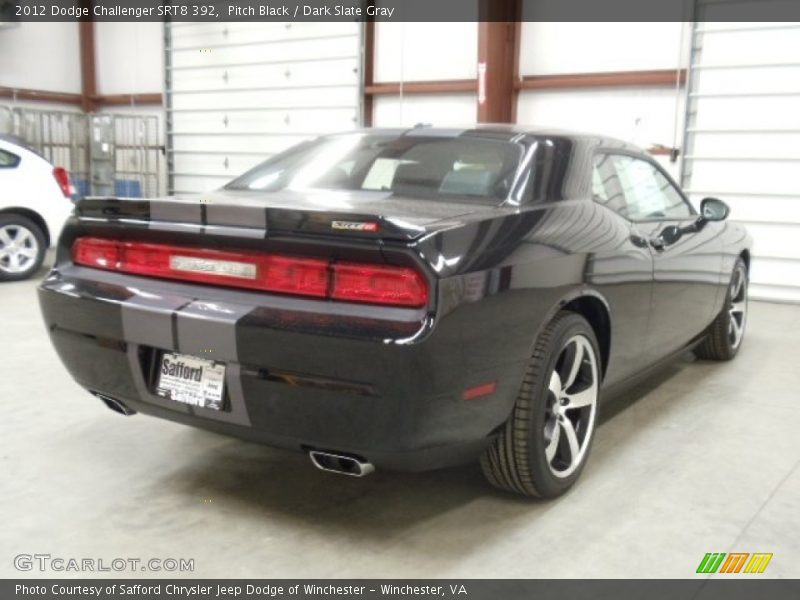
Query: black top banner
[(399, 10)]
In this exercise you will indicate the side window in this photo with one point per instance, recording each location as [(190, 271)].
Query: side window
[(8, 160), (648, 194), (606, 188)]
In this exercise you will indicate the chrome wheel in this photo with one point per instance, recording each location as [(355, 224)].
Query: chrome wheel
[(571, 406), (737, 308), (19, 249)]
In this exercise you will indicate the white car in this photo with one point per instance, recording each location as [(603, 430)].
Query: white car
[(35, 200)]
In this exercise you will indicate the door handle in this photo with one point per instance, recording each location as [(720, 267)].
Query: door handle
[(657, 244), (638, 240)]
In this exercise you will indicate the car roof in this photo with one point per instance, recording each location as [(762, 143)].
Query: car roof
[(504, 132), (13, 139), (17, 145)]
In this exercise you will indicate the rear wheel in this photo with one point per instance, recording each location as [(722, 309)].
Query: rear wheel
[(545, 444), (726, 333), (22, 247)]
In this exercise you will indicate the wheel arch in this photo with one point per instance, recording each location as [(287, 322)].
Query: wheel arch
[(34, 216), (745, 256), (593, 307)]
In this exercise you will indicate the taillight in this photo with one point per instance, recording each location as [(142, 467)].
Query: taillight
[(374, 284), (61, 176), (96, 252), (378, 284)]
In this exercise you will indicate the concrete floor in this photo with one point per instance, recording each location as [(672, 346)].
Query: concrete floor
[(704, 458)]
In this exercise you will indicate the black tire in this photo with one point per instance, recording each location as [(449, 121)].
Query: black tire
[(721, 341), (11, 224), (516, 461)]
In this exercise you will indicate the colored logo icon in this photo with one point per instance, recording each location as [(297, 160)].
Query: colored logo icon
[(734, 562)]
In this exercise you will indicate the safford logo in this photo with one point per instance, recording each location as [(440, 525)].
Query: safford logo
[(354, 225), (178, 369)]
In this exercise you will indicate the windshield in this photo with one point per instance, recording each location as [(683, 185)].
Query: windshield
[(405, 165)]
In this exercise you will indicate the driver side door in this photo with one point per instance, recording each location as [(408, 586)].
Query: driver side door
[(686, 268)]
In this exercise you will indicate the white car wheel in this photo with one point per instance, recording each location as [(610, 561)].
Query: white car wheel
[(22, 248)]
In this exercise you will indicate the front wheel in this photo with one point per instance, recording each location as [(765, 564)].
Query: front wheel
[(726, 333), (22, 247), (545, 443)]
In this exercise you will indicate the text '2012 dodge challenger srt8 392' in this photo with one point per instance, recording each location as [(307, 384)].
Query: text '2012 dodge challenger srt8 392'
[(406, 299)]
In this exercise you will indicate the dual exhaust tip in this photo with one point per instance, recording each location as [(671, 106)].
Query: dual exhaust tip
[(341, 464), (325, 461)]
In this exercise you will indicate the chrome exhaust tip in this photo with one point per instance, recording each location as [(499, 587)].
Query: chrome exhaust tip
[(338, 463), (115, 405)]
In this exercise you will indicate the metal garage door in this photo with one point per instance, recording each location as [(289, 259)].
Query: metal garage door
[(743, 140), (240, 92)]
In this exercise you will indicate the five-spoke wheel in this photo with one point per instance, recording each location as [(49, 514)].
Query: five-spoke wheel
[(571, 406), (544, 445), (724, 336), (737, 305)]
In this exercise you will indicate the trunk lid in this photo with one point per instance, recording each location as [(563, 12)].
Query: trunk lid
[(359, 214)]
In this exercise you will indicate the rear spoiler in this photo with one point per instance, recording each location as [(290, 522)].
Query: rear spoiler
[(251, 220)]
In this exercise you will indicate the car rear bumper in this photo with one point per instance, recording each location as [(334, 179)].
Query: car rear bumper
[(382, 384)]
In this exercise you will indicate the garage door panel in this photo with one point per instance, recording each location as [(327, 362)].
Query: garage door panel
[(221, 164), (290, 50), (756, 46), (785, 79), (262, 143), (331, 70), (747, 176), (768, 112), (207, 35), (311, 97), (760, 145), (277, 121), (769, 271), (775, 241)]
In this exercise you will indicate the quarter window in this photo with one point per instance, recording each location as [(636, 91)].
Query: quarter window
[(606, 187), (8, 160)]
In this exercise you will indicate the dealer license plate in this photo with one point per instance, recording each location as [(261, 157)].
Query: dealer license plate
[(191, 380)]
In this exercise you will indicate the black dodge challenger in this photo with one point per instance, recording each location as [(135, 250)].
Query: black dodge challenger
[(406, 299)]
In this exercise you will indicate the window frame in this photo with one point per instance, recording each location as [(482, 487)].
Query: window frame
[(611, 152)]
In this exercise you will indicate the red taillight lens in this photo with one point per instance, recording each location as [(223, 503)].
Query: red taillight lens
[(254, 270), (251, 270), (378, 284), (61, 176), (95, 252), (306, 276)]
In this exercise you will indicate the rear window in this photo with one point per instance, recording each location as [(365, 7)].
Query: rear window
[(406, 165), (8, 160)]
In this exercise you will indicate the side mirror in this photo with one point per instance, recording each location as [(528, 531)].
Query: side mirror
[(713, 209)]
